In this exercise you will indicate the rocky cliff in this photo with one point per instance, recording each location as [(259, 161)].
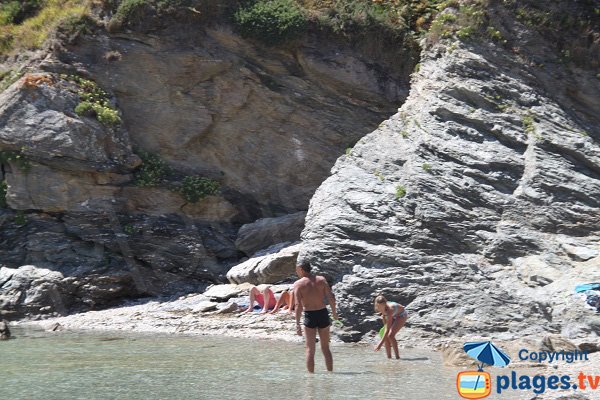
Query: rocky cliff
[(476, 203), (95, 192)]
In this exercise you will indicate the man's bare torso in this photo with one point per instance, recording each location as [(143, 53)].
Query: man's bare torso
[(312, 291)]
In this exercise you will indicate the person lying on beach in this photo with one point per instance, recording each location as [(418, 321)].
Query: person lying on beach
[(286, 299), (263, 296), (394, 317)]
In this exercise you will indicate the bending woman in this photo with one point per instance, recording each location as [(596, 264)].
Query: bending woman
[(394, 317)]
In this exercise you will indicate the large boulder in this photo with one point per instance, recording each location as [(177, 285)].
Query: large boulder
[(30, 290), (442, 207), (278, 264), (37, 117), (266, 232)]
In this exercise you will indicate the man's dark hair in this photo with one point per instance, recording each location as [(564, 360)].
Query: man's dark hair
[(305, 265)]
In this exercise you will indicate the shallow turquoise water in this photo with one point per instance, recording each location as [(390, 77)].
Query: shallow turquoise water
[(40, 365)]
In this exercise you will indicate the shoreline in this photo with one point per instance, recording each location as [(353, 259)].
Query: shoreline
[(185, 316), (188, 315)]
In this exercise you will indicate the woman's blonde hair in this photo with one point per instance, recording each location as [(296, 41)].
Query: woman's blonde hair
[(379, 300)]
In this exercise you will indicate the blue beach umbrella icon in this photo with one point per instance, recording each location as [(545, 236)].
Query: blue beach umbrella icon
[(486, 353)]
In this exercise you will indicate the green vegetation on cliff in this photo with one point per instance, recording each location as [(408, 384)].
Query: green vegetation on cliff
[(15, 12), (27, 24), (195, 188), (271, 21), (155, 172), (16, 158), (94, 101)]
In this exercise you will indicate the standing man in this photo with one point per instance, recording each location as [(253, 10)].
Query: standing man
[(310, 293)]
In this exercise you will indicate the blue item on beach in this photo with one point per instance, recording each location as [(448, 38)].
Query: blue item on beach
[(586, 287)]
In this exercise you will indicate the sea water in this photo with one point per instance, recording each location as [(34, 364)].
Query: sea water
[(66, 365)]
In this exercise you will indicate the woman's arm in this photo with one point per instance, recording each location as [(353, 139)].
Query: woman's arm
[(387, 317)]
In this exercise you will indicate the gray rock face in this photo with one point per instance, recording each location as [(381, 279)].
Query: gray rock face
[(108, 258), (265, 232), (461, 206), (34, 289), (39, 119), (268, 123), (270, 268)]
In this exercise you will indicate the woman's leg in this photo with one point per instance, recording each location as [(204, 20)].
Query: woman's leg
[(396, 326), (291, 305), (388, 348), (269, 300), (281, 301), (254, 293)]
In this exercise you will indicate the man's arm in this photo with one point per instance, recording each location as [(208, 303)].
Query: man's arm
[(298, 307), (331, 299)]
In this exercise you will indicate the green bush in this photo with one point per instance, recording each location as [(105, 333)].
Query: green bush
[(271, 21), (15, 157), (7, 78), (462, 20), (15, 12), (195, 188), (76, 24), (153, 171), (128, 8), (84, 108), (131, 11), (106, 115), (3, 190), (400, 192), (528, 123), (94, 101), (35, 21)]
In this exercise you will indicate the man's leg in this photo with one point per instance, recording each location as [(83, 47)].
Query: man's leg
[(324, 341), (310, 335)]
